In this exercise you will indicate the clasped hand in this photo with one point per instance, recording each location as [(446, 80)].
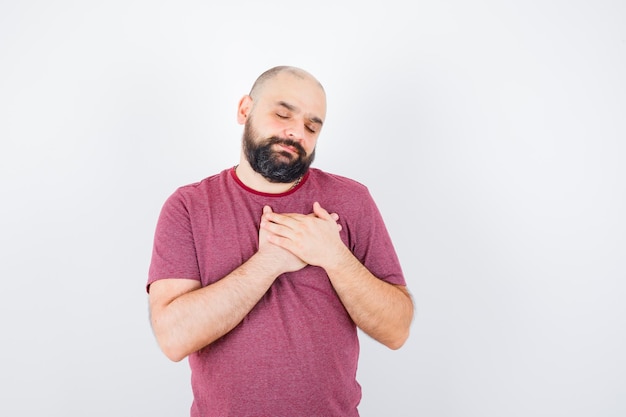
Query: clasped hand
[(296, 240)]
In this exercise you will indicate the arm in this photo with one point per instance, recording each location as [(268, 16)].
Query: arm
[(382, 310), (186, 317)]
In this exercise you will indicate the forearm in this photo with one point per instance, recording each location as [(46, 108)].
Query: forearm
[(192, 320), (382, 310)]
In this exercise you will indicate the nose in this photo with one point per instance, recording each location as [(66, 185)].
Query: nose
[(295, 132)]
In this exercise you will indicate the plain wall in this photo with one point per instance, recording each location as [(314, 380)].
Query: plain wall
[(491, 133)]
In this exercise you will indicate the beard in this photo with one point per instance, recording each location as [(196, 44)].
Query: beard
[(275, 166)]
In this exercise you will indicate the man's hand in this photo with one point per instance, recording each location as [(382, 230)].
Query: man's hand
[(313, 238), (382, 310), (284, 259)]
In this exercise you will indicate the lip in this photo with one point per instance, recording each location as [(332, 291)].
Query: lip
[(288, 148)]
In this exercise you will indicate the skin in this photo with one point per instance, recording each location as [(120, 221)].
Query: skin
[(186, 317)]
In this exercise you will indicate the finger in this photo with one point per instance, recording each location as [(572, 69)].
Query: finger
[(266, 211), (320, 211), (335, 217), (276, 225)]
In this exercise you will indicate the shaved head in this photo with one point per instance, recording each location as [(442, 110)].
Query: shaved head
[(272, 73)]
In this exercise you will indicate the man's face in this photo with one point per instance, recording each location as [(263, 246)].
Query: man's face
[(282, 124), (276, 159)]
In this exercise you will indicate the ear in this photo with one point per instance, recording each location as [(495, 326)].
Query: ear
[(243, 110)]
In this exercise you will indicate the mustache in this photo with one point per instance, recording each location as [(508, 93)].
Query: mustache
[(288, 142)]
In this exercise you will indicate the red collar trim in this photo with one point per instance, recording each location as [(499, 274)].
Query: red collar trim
[(288, 192)]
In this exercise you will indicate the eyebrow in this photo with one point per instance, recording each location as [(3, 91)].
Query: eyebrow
[(293, 108)]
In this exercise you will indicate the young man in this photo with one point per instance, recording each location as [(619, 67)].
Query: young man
[(261, 274)]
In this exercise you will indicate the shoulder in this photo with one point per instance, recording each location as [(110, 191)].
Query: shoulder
[(200, 189), (341, 194), (193, 197), (336, 182)]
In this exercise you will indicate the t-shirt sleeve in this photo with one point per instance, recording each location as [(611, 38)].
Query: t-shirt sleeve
[(373, 246), (174, 250)]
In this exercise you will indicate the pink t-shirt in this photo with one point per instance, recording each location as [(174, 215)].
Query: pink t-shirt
[(296, 353)]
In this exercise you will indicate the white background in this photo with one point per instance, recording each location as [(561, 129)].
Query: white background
[(491, 133)]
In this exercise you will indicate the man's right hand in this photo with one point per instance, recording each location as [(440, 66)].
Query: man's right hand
[(282, 259)]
